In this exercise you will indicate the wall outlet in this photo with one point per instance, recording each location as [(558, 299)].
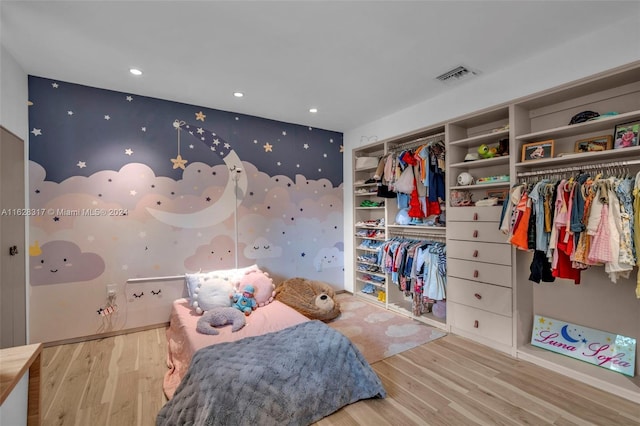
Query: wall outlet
[(112, 290)]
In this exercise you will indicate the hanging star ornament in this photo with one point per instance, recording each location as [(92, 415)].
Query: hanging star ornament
[(179, 162)]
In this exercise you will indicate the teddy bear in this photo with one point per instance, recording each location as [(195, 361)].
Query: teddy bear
[(313, 299), (218, 317), (245, 301)]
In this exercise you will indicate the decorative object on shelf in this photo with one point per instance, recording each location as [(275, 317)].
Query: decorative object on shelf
[(537, 150), (465, 179), (493, 179), (626, 135), (606, 350), (583, 116), (472, 156), (503, 146), (460, 198), (366, 163), (500, 194), (486, 151), (501, 128), (596, 143), (486, 202)]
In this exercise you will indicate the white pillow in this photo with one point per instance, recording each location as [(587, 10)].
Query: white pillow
[(212, 292), (193, 280)]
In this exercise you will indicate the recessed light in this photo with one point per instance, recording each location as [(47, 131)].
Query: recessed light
[(135, 71), (313, 110), (238, 94)]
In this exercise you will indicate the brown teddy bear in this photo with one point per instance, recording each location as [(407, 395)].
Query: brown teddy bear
[(313, 299)]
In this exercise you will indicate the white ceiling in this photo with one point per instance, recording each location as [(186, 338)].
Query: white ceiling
[(356, 61)]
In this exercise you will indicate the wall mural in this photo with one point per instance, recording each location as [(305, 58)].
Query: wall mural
[(125, 186)]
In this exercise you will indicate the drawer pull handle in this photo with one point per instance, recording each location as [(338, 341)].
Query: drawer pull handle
[(478, 296), (475, 216), (476, 324), (475, 253), (475, 274), (475, 234)]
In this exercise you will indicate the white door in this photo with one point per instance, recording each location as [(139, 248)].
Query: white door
[(13, 319)]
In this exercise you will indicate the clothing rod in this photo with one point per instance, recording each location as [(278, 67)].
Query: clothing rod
[(421, 235), (419, 141), (579, 168)]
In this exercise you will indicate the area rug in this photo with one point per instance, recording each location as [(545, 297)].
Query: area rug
[(377, 332)]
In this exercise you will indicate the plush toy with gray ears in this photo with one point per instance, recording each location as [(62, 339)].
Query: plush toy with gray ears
[(218, 317)]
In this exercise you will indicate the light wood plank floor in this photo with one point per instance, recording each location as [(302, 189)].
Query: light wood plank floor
[(451, 381)]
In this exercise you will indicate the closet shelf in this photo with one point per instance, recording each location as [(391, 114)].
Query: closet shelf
[(613, 155), (487, 162), (480, 139), (603, 124), (424, 228), (483, 185)]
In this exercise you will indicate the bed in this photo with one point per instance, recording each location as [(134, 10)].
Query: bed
[(280, 368), (183, 340)]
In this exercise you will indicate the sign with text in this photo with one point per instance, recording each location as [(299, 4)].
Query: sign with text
[(607, 350)]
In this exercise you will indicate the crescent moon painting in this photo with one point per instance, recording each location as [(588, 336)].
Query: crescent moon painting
[(217, 212), (566, 336)]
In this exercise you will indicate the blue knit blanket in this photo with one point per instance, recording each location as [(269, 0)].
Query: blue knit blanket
[(294, 376)]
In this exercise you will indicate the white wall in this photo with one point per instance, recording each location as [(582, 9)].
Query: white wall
[(606, 48), (13, 96)]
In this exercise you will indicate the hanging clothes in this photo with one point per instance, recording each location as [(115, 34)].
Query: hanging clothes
[(576, 223)]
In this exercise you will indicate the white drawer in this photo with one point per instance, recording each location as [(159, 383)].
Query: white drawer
[(483, 296), (480, 323), (479, 252), (474, 214), (476, 231), (477, 271)]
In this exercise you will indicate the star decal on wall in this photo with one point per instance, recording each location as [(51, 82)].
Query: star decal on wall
[(268, 147), (128, 151), (36, 132), (179, 162), (81, 164), (200, 116)]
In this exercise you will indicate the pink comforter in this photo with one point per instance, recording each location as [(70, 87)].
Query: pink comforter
[(183, 339)]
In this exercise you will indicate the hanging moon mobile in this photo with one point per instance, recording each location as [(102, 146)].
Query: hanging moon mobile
[(220, 210)]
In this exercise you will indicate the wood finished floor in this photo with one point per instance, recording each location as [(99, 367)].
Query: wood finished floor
[(117, 381)]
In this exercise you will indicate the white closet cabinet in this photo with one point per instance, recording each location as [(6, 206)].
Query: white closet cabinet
[(489, 296), (596, 302)]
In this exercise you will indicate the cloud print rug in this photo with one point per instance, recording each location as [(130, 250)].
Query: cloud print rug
[(377, 332)]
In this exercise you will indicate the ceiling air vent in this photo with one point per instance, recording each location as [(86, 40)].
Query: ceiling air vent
[(456, 75)]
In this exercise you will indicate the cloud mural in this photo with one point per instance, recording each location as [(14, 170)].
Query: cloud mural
[(62, 261), (121, 192), (328, 257)]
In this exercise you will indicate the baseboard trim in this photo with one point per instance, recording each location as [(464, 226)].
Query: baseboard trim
[(103, 335)]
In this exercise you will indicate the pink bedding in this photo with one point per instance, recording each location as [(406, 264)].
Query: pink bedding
[(183, 339)]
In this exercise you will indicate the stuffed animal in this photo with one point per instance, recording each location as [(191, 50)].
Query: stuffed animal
[(313, 299), (218, 317), (486, 151), (245, 300)]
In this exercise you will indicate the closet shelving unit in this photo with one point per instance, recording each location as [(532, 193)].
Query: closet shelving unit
[(479, 260), (369, 221), (597, 302), (394, 299), (489, 296)]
